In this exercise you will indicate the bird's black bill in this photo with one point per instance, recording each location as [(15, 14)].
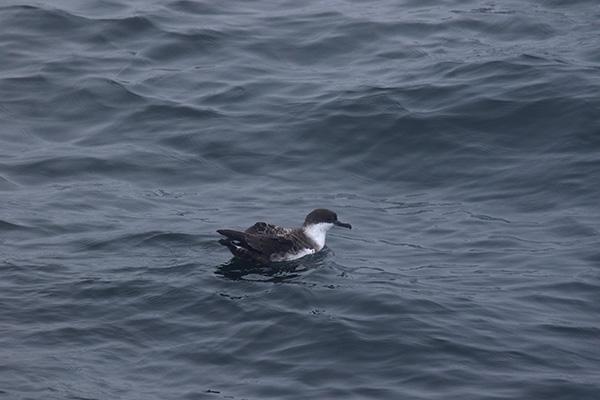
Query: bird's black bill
[(343, 225)]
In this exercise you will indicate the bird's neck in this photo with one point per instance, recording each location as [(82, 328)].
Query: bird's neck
[(317, 233)]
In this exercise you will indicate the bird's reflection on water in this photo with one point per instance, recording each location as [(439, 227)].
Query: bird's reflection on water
[(243, 270)]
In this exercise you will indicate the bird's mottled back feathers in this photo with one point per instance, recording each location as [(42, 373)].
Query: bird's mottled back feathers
[(263, 228)]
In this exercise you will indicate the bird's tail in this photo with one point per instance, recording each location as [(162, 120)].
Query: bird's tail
[(236, 244)]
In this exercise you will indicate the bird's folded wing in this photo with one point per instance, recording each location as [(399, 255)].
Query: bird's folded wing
[(270, 244)]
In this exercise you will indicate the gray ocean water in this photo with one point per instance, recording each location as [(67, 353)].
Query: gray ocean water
[(461, 139)]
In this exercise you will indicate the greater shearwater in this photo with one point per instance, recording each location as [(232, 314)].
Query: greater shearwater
[(267, 243)]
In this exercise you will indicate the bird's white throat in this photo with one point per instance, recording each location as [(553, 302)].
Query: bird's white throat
[(317, 233)]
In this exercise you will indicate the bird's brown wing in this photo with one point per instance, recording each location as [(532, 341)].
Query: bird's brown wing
[(259, 244), (270, 244)]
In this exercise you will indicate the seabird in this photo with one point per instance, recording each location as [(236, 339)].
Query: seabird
[(267, 243)]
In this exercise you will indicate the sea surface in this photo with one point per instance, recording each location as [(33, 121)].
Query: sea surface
[(461, 139)]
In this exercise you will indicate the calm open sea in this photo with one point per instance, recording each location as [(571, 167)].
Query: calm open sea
[(461, 139)]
